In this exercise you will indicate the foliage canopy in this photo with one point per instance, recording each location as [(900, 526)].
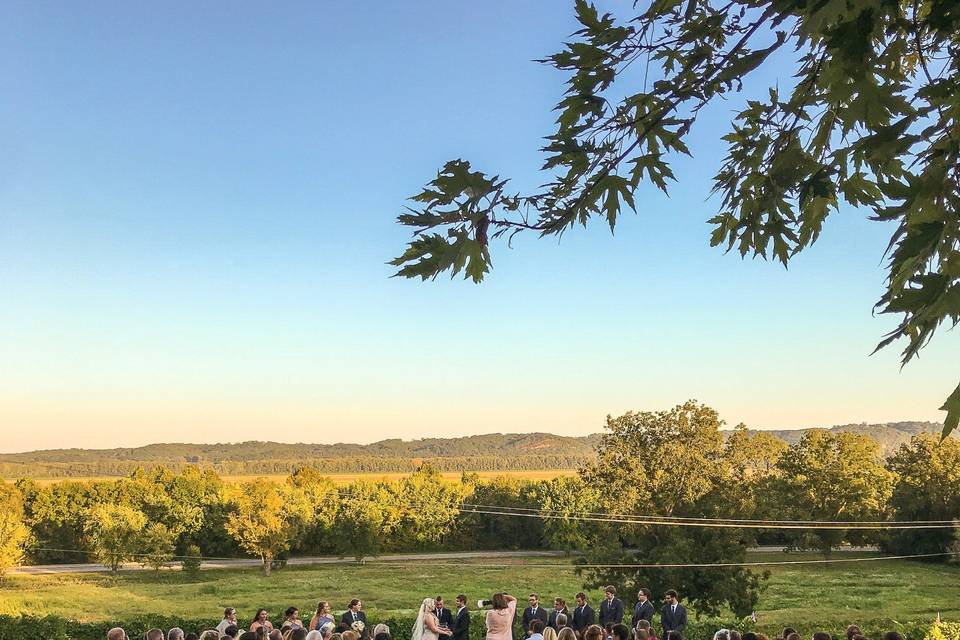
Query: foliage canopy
[(872, 120)]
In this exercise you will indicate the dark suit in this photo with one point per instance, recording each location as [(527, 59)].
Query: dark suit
[(444, 617), (673, 620), (461, 625), (529, 616), (582, 618), (552, 620), (611, 612), (642, 611), (348, 619)]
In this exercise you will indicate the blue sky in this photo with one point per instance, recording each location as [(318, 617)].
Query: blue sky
[(197, 203)]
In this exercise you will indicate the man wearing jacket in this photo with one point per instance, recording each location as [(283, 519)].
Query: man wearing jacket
[(673, 616)]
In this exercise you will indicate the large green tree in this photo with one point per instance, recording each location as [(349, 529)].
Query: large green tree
[(927, 488), (872, 119), (113, 532), (13, 531), (670, 463), (833, 478), (265, 519)]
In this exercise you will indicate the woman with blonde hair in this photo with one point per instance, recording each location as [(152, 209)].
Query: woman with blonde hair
[(566, 634), (549, 634), (427, 627)]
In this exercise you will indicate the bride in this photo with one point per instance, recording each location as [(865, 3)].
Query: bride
[(427, 627)]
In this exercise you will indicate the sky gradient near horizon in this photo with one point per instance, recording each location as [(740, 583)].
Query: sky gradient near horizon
[(197, 203)]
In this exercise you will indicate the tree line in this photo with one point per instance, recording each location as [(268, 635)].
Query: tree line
[(292, 462), (673, 463)]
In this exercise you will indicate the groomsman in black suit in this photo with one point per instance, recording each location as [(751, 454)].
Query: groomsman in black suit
[(461, 622), (533, 612), (673, 616), (559, 608), (582, 615), (611, 609), (444, 615), (643, 610), (353, 614)]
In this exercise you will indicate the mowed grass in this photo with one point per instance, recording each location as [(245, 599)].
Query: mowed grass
[(347, 478), (829, 595)]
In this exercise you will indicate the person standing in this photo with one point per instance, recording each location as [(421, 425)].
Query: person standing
[(426, 626), (500, 618), (643, 610), (323, 616), (559, 609), (533, 612), (353, 615), (461, 622), (611, 609), (583, 615), (444, 615), (229, 618), (673, 616)]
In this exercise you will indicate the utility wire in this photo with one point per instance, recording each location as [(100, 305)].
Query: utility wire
[(641, 518), (712, 524)]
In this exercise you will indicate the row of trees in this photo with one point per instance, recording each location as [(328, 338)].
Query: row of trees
[(673, 463), (289, 463)]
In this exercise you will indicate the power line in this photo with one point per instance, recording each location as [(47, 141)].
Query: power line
[(641, 518)]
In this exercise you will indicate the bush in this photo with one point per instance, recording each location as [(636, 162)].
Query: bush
[(190, 564), (944, 631)]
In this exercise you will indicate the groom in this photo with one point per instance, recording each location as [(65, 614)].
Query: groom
[(461, 623)]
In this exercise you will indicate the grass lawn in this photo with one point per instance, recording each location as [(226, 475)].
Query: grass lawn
[(834, 595)]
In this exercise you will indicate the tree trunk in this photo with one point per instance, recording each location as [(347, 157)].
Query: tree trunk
[(267, 565)]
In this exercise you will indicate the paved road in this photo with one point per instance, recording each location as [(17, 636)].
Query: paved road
[(399, 557)]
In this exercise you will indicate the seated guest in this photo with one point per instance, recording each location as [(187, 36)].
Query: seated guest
[(674, 635), (210, 634), (116, 634), (561, 621), (248, 635), (722, 634), (536, 629), (314, 635), (787, 631), (735, 635), (621, 632), (646, 626), (853, 630), (154, 634), (641, 634), (230, 631), (176, 633), (549, 633), (298, 633), (892, 635), (823, 635), (593, 632), (275, 635), (566, 633)]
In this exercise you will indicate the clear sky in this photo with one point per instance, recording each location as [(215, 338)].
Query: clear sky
[(197, 202)]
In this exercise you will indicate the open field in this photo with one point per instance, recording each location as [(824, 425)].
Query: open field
[(832, 595), (347, 478)]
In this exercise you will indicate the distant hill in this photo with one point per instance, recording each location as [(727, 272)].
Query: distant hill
[(890, 435), (489, 452)]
